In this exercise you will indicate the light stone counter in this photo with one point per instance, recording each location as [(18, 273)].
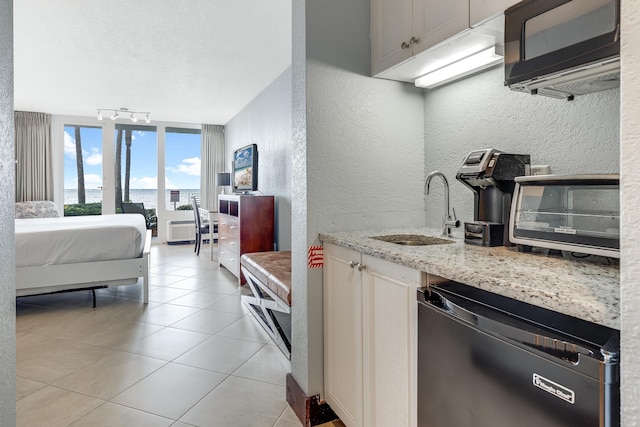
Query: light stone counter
[(585, 288)]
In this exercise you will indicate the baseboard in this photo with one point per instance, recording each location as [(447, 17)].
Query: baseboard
[(310, 410)]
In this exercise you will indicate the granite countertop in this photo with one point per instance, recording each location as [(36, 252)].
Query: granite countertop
[(586, 288)]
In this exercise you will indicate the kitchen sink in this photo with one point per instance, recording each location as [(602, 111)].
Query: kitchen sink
[(412, 239)]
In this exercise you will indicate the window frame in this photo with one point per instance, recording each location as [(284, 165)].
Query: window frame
[(58, 123)]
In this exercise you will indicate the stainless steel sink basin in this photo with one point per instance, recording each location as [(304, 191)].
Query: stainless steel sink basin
[(412, 239)]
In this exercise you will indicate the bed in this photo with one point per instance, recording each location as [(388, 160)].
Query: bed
[(81, 252)]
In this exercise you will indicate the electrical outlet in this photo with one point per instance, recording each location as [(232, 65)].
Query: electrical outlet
[(540, 170)]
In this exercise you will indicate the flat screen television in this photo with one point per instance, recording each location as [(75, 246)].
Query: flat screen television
[(245, 169)]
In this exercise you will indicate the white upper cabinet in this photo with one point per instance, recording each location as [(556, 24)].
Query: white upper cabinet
[(391, 32), (481, 10), (435, 21), (401, 29), (412, 37)]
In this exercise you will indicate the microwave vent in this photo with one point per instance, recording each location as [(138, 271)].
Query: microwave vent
[(610, 81), (579, 81)]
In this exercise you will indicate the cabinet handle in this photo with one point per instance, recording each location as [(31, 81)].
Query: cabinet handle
[(233, 227), (354, 264), (405, 45), (414, 41)]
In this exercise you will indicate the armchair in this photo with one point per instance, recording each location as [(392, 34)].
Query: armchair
[(131, 207)]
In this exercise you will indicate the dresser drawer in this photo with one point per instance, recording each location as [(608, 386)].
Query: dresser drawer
[(232, 242), (228, 226), (230, 260)]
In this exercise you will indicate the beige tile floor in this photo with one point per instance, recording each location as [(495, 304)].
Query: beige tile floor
[(193, 357)]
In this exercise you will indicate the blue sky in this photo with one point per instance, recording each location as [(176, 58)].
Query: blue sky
[(182, 159)]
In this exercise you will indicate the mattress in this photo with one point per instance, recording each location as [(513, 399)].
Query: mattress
[(78, 239)]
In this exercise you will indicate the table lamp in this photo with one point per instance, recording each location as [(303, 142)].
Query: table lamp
[(223, 179)]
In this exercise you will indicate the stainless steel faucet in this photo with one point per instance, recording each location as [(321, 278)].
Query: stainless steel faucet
[(447, 220)]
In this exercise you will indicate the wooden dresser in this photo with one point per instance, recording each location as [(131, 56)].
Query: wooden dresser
[(245, 225)]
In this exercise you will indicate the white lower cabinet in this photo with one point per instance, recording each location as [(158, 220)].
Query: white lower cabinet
[(370, 339), (342, 308)]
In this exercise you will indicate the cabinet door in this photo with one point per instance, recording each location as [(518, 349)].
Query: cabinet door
[(434, 21), (481, 10), (391, 25), (342, 298), (389, 343)]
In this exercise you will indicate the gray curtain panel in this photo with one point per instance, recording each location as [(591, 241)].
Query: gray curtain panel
[(212, 151), (34, 175)]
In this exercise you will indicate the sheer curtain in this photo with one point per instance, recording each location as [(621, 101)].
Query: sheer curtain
[(34, 175), (212, 162)]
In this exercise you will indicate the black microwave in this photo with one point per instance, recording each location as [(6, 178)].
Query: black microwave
[(562, 48)]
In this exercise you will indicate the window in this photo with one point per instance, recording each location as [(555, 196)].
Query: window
[(82, 170), (182, 166), (143, 163), (136, 163)]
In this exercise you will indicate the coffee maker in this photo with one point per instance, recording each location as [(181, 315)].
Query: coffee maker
[(490, 175)]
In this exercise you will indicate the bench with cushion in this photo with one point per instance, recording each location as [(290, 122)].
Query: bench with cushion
[(268, 275)]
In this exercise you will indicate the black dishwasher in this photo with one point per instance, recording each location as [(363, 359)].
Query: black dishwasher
[(485, 360)]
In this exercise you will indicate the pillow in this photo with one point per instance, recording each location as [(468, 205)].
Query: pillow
[(37, 209)]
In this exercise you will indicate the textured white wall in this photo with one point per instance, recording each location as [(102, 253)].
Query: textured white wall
[(630, 204), (362, 165), (580, 136), (266, 121), (365, 148), (7, 239), (305, 350)]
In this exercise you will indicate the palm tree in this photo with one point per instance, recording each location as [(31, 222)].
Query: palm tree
[(119, 168), (127, 171), (81, 192)]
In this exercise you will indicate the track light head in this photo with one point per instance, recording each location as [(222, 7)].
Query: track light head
[(125, 113)]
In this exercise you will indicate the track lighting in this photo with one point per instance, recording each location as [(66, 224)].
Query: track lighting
[(133, 115)]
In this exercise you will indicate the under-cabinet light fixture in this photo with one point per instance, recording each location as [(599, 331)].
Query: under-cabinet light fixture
[(478, 61), (133, 115)]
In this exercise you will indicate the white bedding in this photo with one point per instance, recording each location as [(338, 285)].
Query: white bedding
[(78, 239)]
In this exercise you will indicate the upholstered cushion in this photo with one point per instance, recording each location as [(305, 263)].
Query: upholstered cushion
[(272, 269), (37, 209)]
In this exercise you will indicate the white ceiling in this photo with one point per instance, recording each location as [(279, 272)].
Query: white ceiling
[(187, 61)]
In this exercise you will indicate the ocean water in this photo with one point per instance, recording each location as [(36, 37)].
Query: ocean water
[(146, 196)]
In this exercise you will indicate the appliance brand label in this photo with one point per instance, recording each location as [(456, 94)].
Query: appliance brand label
[(565, 230), (553, 388)]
